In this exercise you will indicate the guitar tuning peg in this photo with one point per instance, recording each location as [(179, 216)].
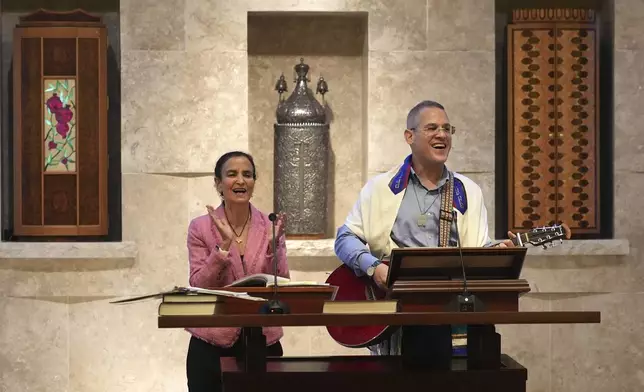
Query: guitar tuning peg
[(545, 246)]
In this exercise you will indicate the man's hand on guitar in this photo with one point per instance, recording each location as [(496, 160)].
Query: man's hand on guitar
[(380, 275), (508, 243)]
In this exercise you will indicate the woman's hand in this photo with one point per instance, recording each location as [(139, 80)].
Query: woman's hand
[(225, 231)]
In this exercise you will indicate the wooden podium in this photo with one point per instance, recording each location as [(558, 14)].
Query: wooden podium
[(423, 302)]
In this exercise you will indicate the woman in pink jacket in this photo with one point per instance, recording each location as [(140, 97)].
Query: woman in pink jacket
[(229, 242)]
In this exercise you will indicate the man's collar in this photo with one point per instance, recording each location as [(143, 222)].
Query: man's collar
[(441, 181), (401, 179)]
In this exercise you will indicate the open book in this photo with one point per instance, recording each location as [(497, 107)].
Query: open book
[(267, 280), (190, 291)]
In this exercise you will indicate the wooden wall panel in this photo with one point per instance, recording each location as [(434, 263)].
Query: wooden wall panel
[(553, 120), (59, 56), (60, 170), (60, 200), (30, 138), (530, 142), (578, 152), (88, 131)]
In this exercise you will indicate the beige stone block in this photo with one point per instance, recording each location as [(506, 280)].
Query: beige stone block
[(599, 357), (628, 220), (297, 341), (217, 25), (606, 247), (152, 25), (220, 83), (322, 344), (202, 192), (320, 265), (394, 25), (580, 274), (117, 348), (181, 111), (486, 182), (629, 100), (530, 344), (460, 25), (629, 32), (462, 81), (155, 216), (34, 345)]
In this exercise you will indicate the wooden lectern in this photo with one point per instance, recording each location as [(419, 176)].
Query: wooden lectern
[(425, 287)]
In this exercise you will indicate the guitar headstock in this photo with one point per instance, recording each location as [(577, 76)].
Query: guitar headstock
[(544, 236)]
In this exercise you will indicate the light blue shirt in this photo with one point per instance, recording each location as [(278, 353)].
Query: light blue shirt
[(406, 231)]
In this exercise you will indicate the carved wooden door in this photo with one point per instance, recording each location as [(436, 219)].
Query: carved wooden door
[(553, 120)]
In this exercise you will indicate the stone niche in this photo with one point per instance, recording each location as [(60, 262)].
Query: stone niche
[(334, 45)]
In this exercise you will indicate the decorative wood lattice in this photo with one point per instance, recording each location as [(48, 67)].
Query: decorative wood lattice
[(60, 125), (553, 120)]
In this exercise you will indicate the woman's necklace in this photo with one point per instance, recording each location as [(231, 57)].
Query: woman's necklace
[(238, 239)]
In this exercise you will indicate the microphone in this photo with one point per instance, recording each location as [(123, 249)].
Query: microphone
[(274, 305), (466, 301)]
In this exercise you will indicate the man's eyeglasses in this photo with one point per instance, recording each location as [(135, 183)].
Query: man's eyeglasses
[(432, 129)]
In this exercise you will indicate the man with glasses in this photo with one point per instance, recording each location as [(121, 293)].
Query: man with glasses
[(413, 205)]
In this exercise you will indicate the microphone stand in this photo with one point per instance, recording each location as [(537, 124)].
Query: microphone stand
[(274, 305), (466, 301)]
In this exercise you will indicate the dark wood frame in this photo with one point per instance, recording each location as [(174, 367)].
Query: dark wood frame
[(86, 29), (401, 318), (604, 11)]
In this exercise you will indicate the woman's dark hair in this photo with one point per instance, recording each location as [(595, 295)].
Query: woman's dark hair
[(224, 158)]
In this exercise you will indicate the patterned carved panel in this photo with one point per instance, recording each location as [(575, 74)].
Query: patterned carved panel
[(553, 120), (577, 149), (532, 107)]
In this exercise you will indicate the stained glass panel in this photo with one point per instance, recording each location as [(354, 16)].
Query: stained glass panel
[(60, 125)]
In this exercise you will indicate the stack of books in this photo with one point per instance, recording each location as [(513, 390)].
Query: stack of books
[(194, 301)]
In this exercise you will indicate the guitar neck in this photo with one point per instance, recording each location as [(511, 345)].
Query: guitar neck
[(521, 239)]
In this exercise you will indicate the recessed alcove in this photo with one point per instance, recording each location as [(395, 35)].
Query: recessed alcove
[(334, 45)]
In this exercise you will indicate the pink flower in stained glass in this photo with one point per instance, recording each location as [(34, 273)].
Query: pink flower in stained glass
[(63, 161), (54, 103), (52, 145), (64, 115), (62, 128)]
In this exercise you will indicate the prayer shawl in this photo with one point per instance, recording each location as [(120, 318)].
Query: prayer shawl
[(374, 213)]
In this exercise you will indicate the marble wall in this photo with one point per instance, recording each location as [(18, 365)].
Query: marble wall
[(190, 83)]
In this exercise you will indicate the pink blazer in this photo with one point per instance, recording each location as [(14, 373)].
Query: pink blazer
[(212, 268)]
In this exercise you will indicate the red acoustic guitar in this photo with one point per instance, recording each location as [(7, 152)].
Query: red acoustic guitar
[(354, 288)]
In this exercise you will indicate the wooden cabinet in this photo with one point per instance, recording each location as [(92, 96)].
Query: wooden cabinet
[(60, 125)]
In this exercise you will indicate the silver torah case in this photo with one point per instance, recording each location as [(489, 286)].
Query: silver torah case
[(301, 158)]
